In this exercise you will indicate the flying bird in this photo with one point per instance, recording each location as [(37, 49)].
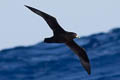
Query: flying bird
[(62, 36)]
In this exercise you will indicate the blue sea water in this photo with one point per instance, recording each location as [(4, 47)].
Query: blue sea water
[(57, 62)]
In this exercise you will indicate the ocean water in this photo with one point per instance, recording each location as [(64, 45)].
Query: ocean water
[(57, 62)]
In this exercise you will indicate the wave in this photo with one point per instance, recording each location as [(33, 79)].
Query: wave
[(57, 62)]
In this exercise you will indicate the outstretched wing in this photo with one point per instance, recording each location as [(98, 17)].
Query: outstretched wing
[(81, 53), (51, 21)]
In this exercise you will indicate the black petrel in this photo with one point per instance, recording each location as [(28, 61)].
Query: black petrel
[(62, 36)]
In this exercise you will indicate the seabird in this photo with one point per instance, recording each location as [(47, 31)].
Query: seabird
[(62, 36)]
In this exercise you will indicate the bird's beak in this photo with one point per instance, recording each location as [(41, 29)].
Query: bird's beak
[(77, 36)]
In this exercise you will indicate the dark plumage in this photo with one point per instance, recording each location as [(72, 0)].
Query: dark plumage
[(62, 36)]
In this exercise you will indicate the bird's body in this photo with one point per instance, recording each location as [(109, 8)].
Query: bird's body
[(62, 36)]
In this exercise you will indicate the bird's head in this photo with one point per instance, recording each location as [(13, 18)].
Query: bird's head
[(73, 35)]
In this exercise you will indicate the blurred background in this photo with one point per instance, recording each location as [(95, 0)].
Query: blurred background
[(19, 26)]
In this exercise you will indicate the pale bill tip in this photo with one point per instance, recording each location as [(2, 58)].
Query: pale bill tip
[(77, 36)]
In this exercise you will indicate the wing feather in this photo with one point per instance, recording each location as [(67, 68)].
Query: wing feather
[(51, 21), (81, 54)]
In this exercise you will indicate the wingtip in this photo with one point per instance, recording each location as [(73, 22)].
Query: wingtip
[(33, 9), (87, 67), (86, 63), (27, 6)]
